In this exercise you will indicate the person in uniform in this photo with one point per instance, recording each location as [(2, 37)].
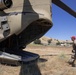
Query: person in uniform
[(73, 57)]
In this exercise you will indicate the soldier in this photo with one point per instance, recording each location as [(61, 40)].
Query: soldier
[(73, 57)]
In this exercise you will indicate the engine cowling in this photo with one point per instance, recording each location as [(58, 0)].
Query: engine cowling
[(4, 4)]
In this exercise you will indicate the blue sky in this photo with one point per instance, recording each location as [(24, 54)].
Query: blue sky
[(64, 25)]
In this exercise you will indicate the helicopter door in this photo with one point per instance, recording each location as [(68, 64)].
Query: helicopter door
[(4, 27)]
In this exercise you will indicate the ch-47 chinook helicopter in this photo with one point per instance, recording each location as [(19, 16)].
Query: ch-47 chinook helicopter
[(23, 21)]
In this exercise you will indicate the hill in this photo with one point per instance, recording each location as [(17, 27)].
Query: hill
[(44, 40)]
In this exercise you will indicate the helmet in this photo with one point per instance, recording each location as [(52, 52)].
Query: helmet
[(73, 37)]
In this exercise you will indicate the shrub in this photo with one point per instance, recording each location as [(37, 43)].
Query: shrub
[(37, 41), (49, 41), (58, 43)]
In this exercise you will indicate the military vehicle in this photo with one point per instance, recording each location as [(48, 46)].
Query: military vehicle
[(23, 21)]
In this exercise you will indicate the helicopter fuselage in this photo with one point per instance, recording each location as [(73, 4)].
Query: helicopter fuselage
[(27, 20), (24, 12)]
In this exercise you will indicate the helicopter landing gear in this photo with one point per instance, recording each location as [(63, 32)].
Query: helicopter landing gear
[(17, 59)]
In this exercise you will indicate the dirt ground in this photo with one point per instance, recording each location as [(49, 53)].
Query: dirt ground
[(53, 61)]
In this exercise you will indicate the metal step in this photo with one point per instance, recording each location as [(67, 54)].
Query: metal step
[(16, 59)]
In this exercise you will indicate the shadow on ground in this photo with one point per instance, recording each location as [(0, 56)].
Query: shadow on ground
[(30, 69), (42, 60)]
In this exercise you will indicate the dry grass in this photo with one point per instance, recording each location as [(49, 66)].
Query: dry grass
[(48, 63)]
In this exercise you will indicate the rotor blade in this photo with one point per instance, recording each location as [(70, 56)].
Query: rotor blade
[(64, 7)]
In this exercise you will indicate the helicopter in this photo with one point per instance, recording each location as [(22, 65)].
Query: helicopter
[(23, 21)]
